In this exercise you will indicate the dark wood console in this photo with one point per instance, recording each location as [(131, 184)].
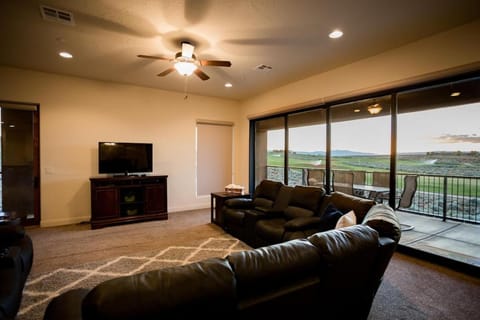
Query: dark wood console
[(117, 200)]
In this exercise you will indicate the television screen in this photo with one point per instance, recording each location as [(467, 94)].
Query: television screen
[(124, 157)]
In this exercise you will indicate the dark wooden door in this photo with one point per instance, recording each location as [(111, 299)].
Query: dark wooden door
[(20, 173)]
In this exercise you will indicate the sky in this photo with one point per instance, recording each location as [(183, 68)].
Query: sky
[(446, 129)]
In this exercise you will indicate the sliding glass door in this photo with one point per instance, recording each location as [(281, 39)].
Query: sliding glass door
[(438, 141)]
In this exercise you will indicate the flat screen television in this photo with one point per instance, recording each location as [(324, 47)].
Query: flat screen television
[(125, 157)]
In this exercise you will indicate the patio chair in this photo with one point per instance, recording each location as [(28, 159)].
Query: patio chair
[(359, 177), (381, 179), (406, 198), (315, 177), (343, 181)]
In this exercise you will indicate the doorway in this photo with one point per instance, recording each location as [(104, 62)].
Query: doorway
[(20, 157)]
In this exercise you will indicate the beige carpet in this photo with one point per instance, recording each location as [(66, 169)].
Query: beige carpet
[(75, 256)]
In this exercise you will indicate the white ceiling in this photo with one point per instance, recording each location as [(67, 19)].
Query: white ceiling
[(291, 36)]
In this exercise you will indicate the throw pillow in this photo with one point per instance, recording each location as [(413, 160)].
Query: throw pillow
[(329, 218), (347, 220)]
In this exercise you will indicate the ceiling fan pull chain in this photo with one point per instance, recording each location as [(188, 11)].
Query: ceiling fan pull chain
[(185, 87)]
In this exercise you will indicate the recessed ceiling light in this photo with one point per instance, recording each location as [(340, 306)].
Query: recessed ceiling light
[(356, 110), (455, 94), (228, 85), (66, 55), (335, 34)]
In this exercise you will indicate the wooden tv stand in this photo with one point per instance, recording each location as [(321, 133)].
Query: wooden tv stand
[(124, 199)]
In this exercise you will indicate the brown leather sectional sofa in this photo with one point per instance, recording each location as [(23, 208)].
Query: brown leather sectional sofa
[(333, 274)]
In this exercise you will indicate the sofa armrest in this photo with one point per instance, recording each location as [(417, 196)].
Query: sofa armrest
[(239, 203), (9, 232), (302, 223), (10, 257)]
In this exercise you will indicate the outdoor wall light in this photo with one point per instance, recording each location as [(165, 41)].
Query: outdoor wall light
[(374, 108)]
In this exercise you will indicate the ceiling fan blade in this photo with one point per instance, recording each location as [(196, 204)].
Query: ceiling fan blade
[(154, 57), (202, 75), (164, 73), (187, 50), (216, 63)]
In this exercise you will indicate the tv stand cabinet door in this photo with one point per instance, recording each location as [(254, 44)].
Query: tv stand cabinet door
[(104, 203), (156, 198)]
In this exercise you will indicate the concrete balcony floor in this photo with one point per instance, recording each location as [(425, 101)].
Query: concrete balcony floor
[(453, 240)]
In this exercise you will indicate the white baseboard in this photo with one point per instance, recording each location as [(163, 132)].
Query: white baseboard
[(62, 222), (66, 221)]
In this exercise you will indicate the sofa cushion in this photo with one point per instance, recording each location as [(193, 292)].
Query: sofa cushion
[(272, 268), (68, 305), (304, 202), (347, 220), (329, 218), (292, 212), (382, 218), (259, 203), (283, 198), (270, 230), (302, 223), (306, 197), (267, 189), (345, 202), (343, 248), (203, 287)]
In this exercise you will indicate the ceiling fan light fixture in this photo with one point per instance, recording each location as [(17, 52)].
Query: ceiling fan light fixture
[(374, 108), (185, 68), (65, 55), (335, 34)]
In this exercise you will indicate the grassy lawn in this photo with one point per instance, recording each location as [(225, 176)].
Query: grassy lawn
[(431, 168)]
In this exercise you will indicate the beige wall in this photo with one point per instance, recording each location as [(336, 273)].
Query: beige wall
[(440, 55), (76, 113)]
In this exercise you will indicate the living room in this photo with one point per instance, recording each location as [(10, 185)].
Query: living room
[(78, 112)]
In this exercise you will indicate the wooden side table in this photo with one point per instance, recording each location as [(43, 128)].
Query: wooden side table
[(217, 199)]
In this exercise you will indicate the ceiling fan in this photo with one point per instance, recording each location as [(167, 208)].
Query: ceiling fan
[(186, 63)]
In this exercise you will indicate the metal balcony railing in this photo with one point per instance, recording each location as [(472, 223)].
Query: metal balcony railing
[(446, 197)]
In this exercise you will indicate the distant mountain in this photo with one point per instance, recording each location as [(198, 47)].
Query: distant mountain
[(336, 153)]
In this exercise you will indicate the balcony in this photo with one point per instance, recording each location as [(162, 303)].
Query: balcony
[(445, 214), (453, 240)]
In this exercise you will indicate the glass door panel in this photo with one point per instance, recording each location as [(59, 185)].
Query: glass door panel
[(360, 144), (270, 149), (438, 140), (307, 148)]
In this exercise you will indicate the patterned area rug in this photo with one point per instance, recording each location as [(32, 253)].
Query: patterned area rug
[(40, 290)]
